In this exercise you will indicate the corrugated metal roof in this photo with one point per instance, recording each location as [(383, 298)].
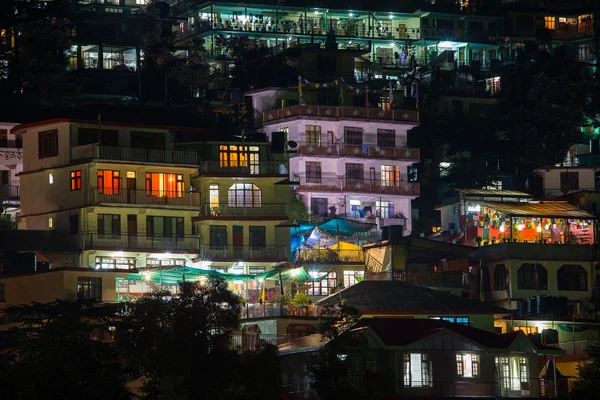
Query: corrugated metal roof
[(552, 209), (493, 193)]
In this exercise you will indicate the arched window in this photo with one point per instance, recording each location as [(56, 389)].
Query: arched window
[(532, 277), (500, 276), (572, 277), (244, 195)]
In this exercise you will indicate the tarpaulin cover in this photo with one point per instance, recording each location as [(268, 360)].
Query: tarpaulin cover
[(334, 226)]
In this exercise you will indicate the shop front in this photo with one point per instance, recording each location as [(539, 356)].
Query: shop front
[(533, 222)]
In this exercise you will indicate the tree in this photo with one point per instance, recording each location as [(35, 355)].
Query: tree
[(180, 345), (329, 368), (298, 211), (587, 386), (52, 354)]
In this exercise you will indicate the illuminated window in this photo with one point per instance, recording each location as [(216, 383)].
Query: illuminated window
[(513, 373), (385, 208), (467, 365), (50, 179), (3, 36), (164, 185), (50, 222), (417, 370), (390, 176), (238, 156), (115, 263), (75, 180), (528, 330), (325, 286), (353, 277), (458, 320), (213, 193), (244, 195), (109, 182), (584, 23), (131, 174), (313, 134), (550, 23)]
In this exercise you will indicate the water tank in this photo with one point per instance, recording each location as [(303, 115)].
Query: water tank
[(536, 338), (549, 336)]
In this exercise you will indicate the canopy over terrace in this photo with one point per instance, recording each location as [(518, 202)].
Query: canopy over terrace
[(543, 222)]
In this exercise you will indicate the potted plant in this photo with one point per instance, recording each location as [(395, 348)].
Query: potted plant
[(302, 301), (478, 240)]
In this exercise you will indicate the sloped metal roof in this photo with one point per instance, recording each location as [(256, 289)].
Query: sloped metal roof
[(550, 209), (492, 193)]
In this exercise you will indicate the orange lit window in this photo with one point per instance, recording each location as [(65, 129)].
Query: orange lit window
[(164, 185), (527, 329), (549, 23), (237, 156), (109, 182), (75, 180)]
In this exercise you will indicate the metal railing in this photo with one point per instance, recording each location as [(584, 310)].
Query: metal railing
[(95, 151), (128, 242), (341, 112), (228, 210), (580, 347), (247, 168), (459, 35), (345, 184), (329, 256), (342, 149), (249, 341), (10, 192), (244, 252), (443, 279), (145, 197), (274, 309)]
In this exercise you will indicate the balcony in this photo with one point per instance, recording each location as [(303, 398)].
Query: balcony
[(246, 253), (588, 347), (459, 35), (10, 193), (11, 156), (344, 184), (359, 151), (572, 35), (147, 198), (434, 279), (329, 256), (267, 168), (97, 152), (226, 210), (340, 113), (249, 341), (134, 242)]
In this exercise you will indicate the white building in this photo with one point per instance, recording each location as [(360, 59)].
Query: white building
[(11, 164), (559, 181), (350, 161)]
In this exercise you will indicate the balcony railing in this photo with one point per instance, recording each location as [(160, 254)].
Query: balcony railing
[(441, 279), (344, 184), (329, 256), (227, 210), (11, 156), (95, 151), (128, 242), (10, 192), (260, 168), (341, 112), (572, 35), (143, 197), (245, 252), (358, 150), (590, 347), (459, 35), (249, 341)]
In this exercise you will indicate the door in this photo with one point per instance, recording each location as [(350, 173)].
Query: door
[(131, 187), (331, 137), (372, 175), (132, 230), (238, 240)]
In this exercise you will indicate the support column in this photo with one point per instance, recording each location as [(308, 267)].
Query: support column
[(79, 58), (100, 56)]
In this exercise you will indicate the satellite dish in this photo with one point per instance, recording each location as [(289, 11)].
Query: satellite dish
[(292, 144)]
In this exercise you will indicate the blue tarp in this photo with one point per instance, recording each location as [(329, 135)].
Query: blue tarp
[(335, 226)]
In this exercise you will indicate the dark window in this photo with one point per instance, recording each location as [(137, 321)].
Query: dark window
[(75, 180), (532, 277), (2, 292), (323, 287), (355, 171), (89, 288), (74, 223), (572, 277), (258, 238), (386, 138), (313, 170), (164, 227), (318, 206), (524, 23), (500, 276), (569, 181), (48, 144), (353, 135), (109, 224), (3, 138), (485, 278), (218, 237), (148, 140)]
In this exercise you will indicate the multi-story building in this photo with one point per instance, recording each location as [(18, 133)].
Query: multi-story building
[(11, 164), (131, 199)]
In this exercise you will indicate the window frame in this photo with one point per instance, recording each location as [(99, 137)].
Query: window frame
[(426, 370), (353, 135), (114, 176), (218, 232), (565, 278), (313, 134), (349, 277), (386, 138), (251, 196), (48, 144), (93, 285), (130, 262), (75, 180), (115, 224), (324, 287), (462, 359)]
